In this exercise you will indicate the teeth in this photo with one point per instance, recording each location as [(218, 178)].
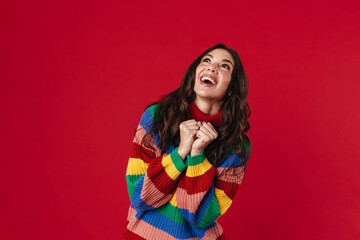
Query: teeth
[(207, 78)]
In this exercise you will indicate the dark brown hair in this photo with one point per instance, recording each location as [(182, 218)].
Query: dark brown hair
[(173, 108)]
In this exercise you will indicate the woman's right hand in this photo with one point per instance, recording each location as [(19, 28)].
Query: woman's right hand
[(188, 131)]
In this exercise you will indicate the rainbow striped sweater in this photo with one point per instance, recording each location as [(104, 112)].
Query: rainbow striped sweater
[(173, 198)]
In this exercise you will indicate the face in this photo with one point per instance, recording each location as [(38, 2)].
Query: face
[(213, 75)]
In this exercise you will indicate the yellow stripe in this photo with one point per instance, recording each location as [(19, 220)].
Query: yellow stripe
[(173, 200), (170, 167), (136, 166), (223, 200), (197, 170)]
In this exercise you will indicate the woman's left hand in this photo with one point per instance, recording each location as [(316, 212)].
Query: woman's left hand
[(205, 136)]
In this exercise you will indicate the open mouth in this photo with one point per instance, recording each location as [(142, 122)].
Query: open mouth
[(208, 80)]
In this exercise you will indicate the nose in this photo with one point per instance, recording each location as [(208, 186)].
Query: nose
[(212, 68)]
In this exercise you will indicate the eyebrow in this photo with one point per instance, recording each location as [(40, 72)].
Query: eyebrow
[(225, 60)]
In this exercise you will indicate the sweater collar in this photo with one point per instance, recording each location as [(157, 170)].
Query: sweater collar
[(198, 115)]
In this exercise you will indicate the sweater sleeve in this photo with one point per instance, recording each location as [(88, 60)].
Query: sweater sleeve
[(205, 193), (151, 177)]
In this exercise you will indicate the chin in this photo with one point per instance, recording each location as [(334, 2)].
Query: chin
[(202, 94)]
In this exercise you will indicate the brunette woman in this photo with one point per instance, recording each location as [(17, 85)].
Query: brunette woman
[(190, 152)]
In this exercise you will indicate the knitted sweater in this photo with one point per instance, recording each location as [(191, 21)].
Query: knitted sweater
[(173, 198)]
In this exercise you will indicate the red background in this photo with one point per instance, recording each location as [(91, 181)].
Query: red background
[(76, 75)]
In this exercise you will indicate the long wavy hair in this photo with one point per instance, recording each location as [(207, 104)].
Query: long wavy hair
[(173, 108)]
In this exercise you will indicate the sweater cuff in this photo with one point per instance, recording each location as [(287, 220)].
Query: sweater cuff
[(177, 160), (195, 160)]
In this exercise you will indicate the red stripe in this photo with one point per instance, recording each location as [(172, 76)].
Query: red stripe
[(229, 188), (140, 152), (130, 235), (198, 115), (157, 174), (221, 237), (197, 184)]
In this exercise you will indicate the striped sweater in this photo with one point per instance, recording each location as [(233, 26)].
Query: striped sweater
[(173, 198)]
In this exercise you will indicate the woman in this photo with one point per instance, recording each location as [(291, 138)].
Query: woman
[(190, 151)]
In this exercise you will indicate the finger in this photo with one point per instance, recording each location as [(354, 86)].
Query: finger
[(191, 132), (195, 127), (203, 134), (194, 131), (211, 131), (205, 129), (211, 126), (191, 123)]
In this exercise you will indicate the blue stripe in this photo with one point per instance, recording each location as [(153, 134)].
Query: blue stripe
[(201, 231), (146, 122), (195, 217), (136, 201), (232, 160), (177, 230)]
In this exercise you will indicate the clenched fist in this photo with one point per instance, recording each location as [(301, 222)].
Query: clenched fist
[(188, 131), (205, 136), (195, 137)]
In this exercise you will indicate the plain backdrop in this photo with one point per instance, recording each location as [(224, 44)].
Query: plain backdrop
[(76, 75)]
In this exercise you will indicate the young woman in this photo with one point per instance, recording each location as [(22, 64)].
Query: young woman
[(190, 152)]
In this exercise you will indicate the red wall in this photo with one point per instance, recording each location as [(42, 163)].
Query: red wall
[(76, 75)]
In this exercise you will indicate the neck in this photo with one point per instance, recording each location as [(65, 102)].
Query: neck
[(198, 115), (207, 106)]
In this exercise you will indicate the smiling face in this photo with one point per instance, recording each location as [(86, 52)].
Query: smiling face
[(213, 75)]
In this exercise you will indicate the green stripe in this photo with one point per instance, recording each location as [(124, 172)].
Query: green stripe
[(195, 160), (131, 181), (177, 160), (152, 109), (171, 212), (211, 214)]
